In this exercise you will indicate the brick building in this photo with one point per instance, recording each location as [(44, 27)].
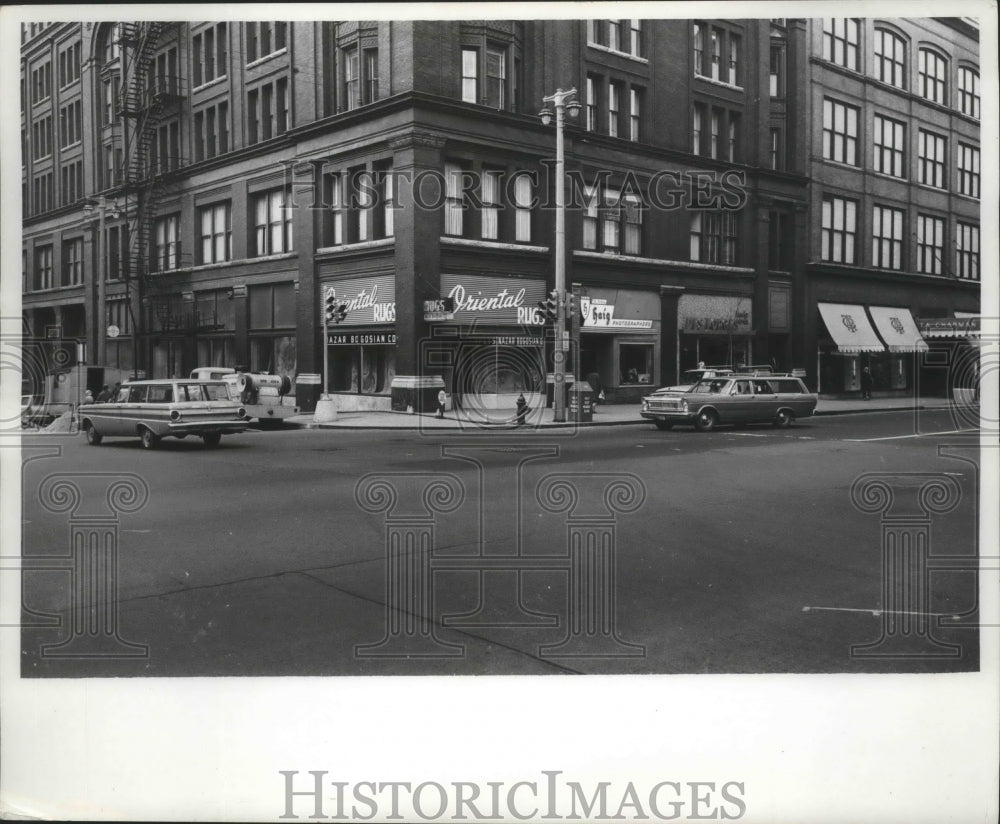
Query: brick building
[(240, 171)]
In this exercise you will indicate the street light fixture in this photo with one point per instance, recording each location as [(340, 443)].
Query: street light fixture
[(562, 102), (101, 206)]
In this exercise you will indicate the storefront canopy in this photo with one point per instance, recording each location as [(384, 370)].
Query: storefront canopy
[(895, 325), (849, 327)]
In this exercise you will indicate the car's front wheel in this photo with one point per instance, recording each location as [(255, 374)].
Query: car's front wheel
[(664, 425), (706, 420), (148, 439), (783, 419), (212, 439), (94, 437)]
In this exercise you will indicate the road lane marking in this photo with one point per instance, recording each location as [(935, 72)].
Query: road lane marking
[(917, 435), (875, 613)]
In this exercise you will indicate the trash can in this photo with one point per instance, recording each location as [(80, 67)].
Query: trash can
[(581, 403)]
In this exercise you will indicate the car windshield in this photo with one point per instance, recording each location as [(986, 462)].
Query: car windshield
[(712, 386)]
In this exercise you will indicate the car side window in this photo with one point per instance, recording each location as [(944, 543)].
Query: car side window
[(161, 394), (137, 394), (762, 388)]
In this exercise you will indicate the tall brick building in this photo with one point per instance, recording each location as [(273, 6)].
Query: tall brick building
[(729, 182)]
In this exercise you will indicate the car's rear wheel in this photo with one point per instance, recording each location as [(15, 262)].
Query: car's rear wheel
[(94, 437), (783, 419), (706, 421), (664, 425), (148, 439), (212, 439)]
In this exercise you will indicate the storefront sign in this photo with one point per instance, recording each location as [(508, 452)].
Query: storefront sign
[(598, 313), (369, 300), (362, 338), (948, 327), (714, 315), (441, 309), (508, 301)]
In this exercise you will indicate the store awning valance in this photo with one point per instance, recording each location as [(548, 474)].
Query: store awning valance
[(963, 325), (895, 325), (849, 327)]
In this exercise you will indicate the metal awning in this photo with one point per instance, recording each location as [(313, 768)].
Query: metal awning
[(895, 325), (849, 327)]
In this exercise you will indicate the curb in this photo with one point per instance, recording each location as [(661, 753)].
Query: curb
[(574, 425)]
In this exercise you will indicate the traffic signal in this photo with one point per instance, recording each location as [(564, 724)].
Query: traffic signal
[(550, 306), (330, 305), (570, 305), (340, 312)]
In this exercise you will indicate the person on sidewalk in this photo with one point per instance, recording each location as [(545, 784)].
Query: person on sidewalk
[(442, 400), (866, 384), (522, 410)]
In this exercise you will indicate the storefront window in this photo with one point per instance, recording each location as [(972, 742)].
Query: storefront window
[(273, 355), (635, 363), (215, 351), (365, 370)]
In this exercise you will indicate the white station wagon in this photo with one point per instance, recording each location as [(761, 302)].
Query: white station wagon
[(168, 408)]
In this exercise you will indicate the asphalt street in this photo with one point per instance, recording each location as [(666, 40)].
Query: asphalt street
[(609, 550)]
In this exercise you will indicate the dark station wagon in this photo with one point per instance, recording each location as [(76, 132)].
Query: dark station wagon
[(733, 399), (174, 408)]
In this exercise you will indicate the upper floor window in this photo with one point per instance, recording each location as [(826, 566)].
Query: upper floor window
[(591, 103), (484, 75), (612, 222), (930, 244), (967, 251), (112, 43), (968, 170), (43, 267), (41, 83), (887, 237), (968, 91), (713, 237), (361, 204), (210, 54), (614, 107), (69, 124), (72, 262), (933, 151), (635, 113), (890, 58), (933, 76), (890, 146), (216, 233), (109, 100), (618, 35), (70, 60), (267, 110), (840, 41), (166, 243), (717, 53), (211, 131), (840, 132), (776, 76), (523, 197), (41, 137), (839, 229), (265, 38), (272, 223)]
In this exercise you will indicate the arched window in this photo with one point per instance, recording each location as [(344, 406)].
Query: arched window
[(933, 68), (890, 58), (968, 91)]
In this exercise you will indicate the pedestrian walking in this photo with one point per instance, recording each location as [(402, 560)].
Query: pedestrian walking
[(88, 397), (866, 384), (522, 410), (442, 400)]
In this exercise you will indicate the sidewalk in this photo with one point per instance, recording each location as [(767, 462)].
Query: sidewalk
[(606, 415)]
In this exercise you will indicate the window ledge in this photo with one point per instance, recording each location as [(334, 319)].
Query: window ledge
[(715, 82), (492, 244), (887, 176), (254, 63), (355, 247), (583, 253), (970, 198), (939, 189), (626, 55), (213, 82)]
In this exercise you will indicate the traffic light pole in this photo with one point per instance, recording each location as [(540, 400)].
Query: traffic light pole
[(326, 352), (559, 355)]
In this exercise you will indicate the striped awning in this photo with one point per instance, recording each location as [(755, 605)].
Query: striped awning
[(849, 327), (896, 326)]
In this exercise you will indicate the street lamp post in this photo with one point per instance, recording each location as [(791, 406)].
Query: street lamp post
[(561, 101), (102, 207)]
